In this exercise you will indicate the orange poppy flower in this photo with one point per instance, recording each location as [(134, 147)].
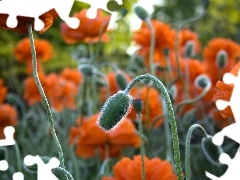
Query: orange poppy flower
[(224, 92), (210, 53), (3, 91), (88, 30), (185, 36), (90, 139), (47, 19), (22, 53), (8, 117), (31, 92), (73, 75), (164, 39), (155, 168), (61, 92), (154, 108)]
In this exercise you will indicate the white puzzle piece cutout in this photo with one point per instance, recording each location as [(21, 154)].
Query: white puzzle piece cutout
[(232, 131), (8, 132), (44, 170), (35, 8)]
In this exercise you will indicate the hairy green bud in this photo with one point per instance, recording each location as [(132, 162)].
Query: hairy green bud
[(221, 59), (114, 111), (201, 81), (87, 70)]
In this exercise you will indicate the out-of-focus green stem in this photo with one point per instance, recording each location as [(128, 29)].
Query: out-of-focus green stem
[(171, 117), (179, 27), (140, 128), (187, 149), (45, 101)]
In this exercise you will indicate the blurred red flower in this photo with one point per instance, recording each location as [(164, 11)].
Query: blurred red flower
[(164, 39), (90, 139), (22, 53), (47, 19), (88, 30), (3, 91), (210, 53), (131, 169), (8, 117)]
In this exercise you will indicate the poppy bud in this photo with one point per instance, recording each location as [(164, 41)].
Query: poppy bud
[(211, 151), (201, 81), (138, 60), (221, 59), (114, 111), (121, 81), (87, 70), (189, 49), (205, 3), (138, 105), (166, 52), (141, 12)]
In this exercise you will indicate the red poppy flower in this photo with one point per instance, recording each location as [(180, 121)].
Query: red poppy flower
[(22, 53), (90, 139), (47, 19), (8, 117), (186, 36), (210, 54), (3, 91), (164, 39), (155, 168), (88, 30), (152, 105), (73, 75)]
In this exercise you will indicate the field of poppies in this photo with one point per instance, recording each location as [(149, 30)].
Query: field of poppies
[(107, 115)]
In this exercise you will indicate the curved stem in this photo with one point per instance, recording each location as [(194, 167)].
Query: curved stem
[(152, 47), (197, 98), (187, 150), (65, 172), (45, 101), (171, 117), (183, 23)]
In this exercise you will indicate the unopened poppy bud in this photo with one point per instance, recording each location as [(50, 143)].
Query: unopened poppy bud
[(114, 111), (205, 3), (87, 70), (221, 59), (211, 151), (138, 105), (121, 81), (141, 12), (189, 49), (138, 60), (166, 52), (201, 81)]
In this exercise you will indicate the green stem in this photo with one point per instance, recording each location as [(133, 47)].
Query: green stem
[(45, 101), (187, 150), (152, 47), (141, 145), (65, 172), (183, 23), (197, 98), (18, 157), (171, 117)]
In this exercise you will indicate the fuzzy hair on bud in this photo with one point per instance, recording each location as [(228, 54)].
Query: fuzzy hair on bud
[(141, 12), (221, 59), (114, 111), (211, 151)]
